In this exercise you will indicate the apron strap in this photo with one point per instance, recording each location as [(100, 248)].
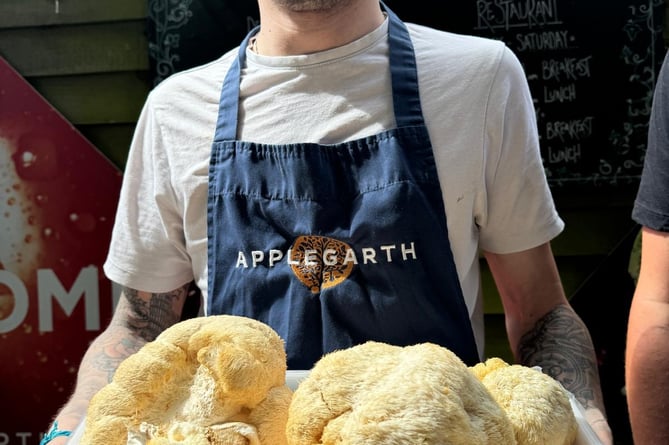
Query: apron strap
[(404, 76), (226, 125)]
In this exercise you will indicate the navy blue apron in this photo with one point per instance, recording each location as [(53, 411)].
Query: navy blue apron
[(334, 245)]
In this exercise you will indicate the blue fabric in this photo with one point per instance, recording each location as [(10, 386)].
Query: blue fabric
[(336, 245), (651, 207), (53, 433)]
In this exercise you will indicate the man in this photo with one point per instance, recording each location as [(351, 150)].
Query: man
[(350, 170), (646, 355)]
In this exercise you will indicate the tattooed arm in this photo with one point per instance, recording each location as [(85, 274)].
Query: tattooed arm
[(545, 331), (138, 318)]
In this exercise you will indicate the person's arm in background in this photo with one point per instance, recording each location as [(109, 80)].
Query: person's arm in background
[(545, 331), (647, 352), (139, 318)]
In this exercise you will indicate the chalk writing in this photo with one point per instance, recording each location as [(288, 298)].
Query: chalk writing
[(506, 14), (573, 129), (565, 153), (167, 19), (591, 86), (639, 53), (561, 93), (566, 68), (544, 41)]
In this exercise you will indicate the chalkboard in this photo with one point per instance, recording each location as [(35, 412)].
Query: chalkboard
[(591, 66)]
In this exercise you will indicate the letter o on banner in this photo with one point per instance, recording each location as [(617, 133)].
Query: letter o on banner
[(20, 310)]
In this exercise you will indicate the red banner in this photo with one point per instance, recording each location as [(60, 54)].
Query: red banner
[(58, 197)]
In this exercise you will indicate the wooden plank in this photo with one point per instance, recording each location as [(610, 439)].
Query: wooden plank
[(665, 33), (76, 49), (112, 140), (496, 340), (592, 231), (23, 13), (95, 98), (574, 271)]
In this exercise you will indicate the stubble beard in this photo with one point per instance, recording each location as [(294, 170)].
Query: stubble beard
[(313, 5)]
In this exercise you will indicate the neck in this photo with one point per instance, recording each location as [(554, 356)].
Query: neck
[(284, 32)]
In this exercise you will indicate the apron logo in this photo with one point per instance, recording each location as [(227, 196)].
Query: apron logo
[(320, 262)]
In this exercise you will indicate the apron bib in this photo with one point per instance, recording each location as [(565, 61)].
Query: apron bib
[(335, 245)]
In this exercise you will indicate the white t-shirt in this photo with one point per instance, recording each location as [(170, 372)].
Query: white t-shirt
[(476, 104)]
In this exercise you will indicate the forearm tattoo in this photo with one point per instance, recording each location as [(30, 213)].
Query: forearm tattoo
[(560, 344), (138, 320), (150, 318), (113, 353)]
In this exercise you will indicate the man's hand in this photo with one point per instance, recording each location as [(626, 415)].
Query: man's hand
[(139, 317), (599, 425)]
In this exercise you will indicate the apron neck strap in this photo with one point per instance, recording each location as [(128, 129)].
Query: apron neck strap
[(404, 77), (228, 108)]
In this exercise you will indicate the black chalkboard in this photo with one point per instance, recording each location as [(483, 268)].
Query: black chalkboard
[(186, 33), (591, 66)]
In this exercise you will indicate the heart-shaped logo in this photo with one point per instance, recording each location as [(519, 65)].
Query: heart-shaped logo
[(319, 262)]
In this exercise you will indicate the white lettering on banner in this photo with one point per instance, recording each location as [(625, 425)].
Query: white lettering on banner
[(49, 288), (21, 304), (86, 284), (22, 438), (116, 294), (328, 257)]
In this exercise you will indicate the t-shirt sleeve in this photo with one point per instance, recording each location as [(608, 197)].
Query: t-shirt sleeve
[(147, 250), (651, 206), (519, 212)]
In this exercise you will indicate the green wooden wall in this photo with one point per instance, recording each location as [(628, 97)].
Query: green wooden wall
[(89, 59)]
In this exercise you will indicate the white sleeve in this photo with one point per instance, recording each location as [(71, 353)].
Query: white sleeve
[(518, 209), (147, 250)]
